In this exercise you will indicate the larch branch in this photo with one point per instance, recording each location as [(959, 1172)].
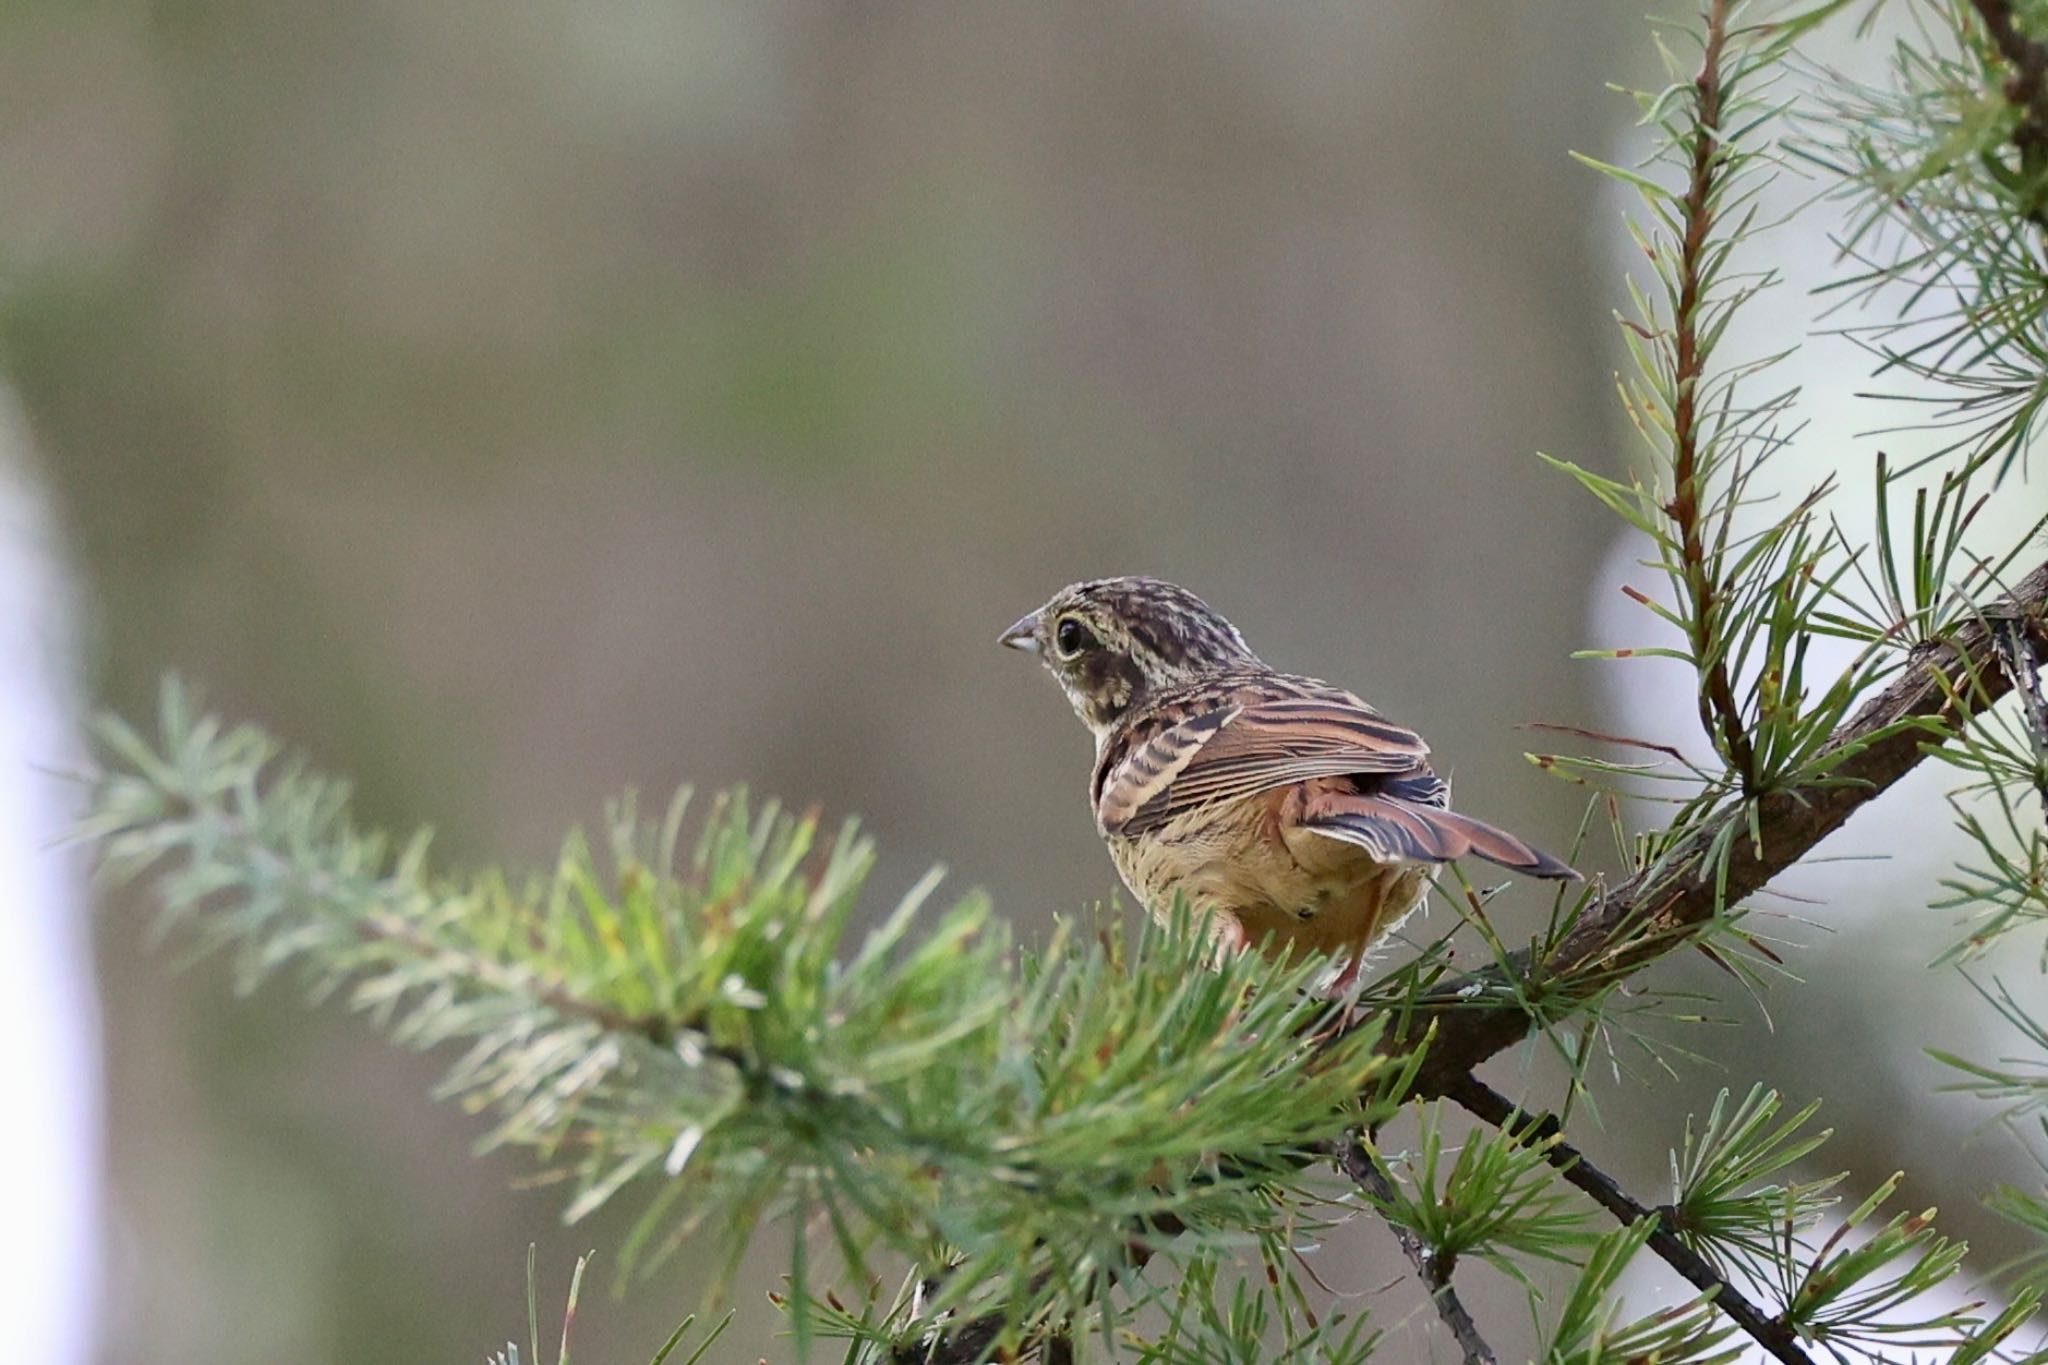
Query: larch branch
[(1433, 1270), (1771, 1333), (1942, 687), (2027, 90)]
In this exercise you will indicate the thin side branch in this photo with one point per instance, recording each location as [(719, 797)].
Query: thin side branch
[(2027, 90), (1432, 1270), (1476, 1016), (656, 1029), (1719, 711), (1771, 1333), (2023, 665), (970, 1341)]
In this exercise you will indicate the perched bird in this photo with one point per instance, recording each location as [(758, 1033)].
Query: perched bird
[(1286, 811)]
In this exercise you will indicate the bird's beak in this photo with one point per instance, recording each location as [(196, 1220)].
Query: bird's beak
[(1023, 635)]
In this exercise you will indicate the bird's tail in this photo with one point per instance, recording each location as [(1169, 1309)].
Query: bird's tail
[(1389, 827)]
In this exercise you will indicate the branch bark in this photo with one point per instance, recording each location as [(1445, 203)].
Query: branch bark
[(1477, 1016), (1433, 1270), (2023, 664), (1719, 711), (1771, 1333), (970, 1340), (2026, 91)]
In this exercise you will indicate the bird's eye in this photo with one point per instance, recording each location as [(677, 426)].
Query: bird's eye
[(1071, 637)]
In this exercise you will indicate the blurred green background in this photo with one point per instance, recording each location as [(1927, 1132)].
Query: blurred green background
[(510, 405)]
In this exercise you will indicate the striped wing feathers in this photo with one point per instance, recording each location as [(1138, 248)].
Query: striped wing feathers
[(1227, 744), (1140, 785)]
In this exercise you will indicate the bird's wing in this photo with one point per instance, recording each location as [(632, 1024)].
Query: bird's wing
[(1242, 742), (1392, 828)]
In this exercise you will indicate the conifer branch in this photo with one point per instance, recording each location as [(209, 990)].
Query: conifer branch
[(964, 1345), (380, 926), (970, 1341), (706, 1027), (1771, 1333), (2026, 91), (1720, 714), (1663, 905), (1433, 1270), (2022, 660)]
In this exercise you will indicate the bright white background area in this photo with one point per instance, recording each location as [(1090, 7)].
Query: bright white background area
[(50, 1146)]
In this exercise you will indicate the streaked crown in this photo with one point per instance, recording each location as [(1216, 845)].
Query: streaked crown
[(1113, 642)]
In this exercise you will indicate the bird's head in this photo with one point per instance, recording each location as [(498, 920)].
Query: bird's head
[(1114, 642)]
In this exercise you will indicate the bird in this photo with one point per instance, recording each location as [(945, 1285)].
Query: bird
[(1289, 815)]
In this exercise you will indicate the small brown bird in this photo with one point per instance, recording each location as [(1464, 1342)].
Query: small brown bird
[(1286, 810)]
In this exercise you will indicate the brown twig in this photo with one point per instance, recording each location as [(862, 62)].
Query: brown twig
[(1772, 1333), (968, 1342), (2027, 90), (1434, 1271), (2022, 661), (971, 1339), (1477, 1016), (1719, 711)]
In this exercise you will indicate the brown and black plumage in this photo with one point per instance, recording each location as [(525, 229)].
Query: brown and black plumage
[(1286, 810)]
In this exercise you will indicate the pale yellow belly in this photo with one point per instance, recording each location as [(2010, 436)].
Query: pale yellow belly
[(1289, 889)]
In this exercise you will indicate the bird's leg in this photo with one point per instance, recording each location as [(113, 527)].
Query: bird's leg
[(1342, 984), (1227, 938), (1341, 987)]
